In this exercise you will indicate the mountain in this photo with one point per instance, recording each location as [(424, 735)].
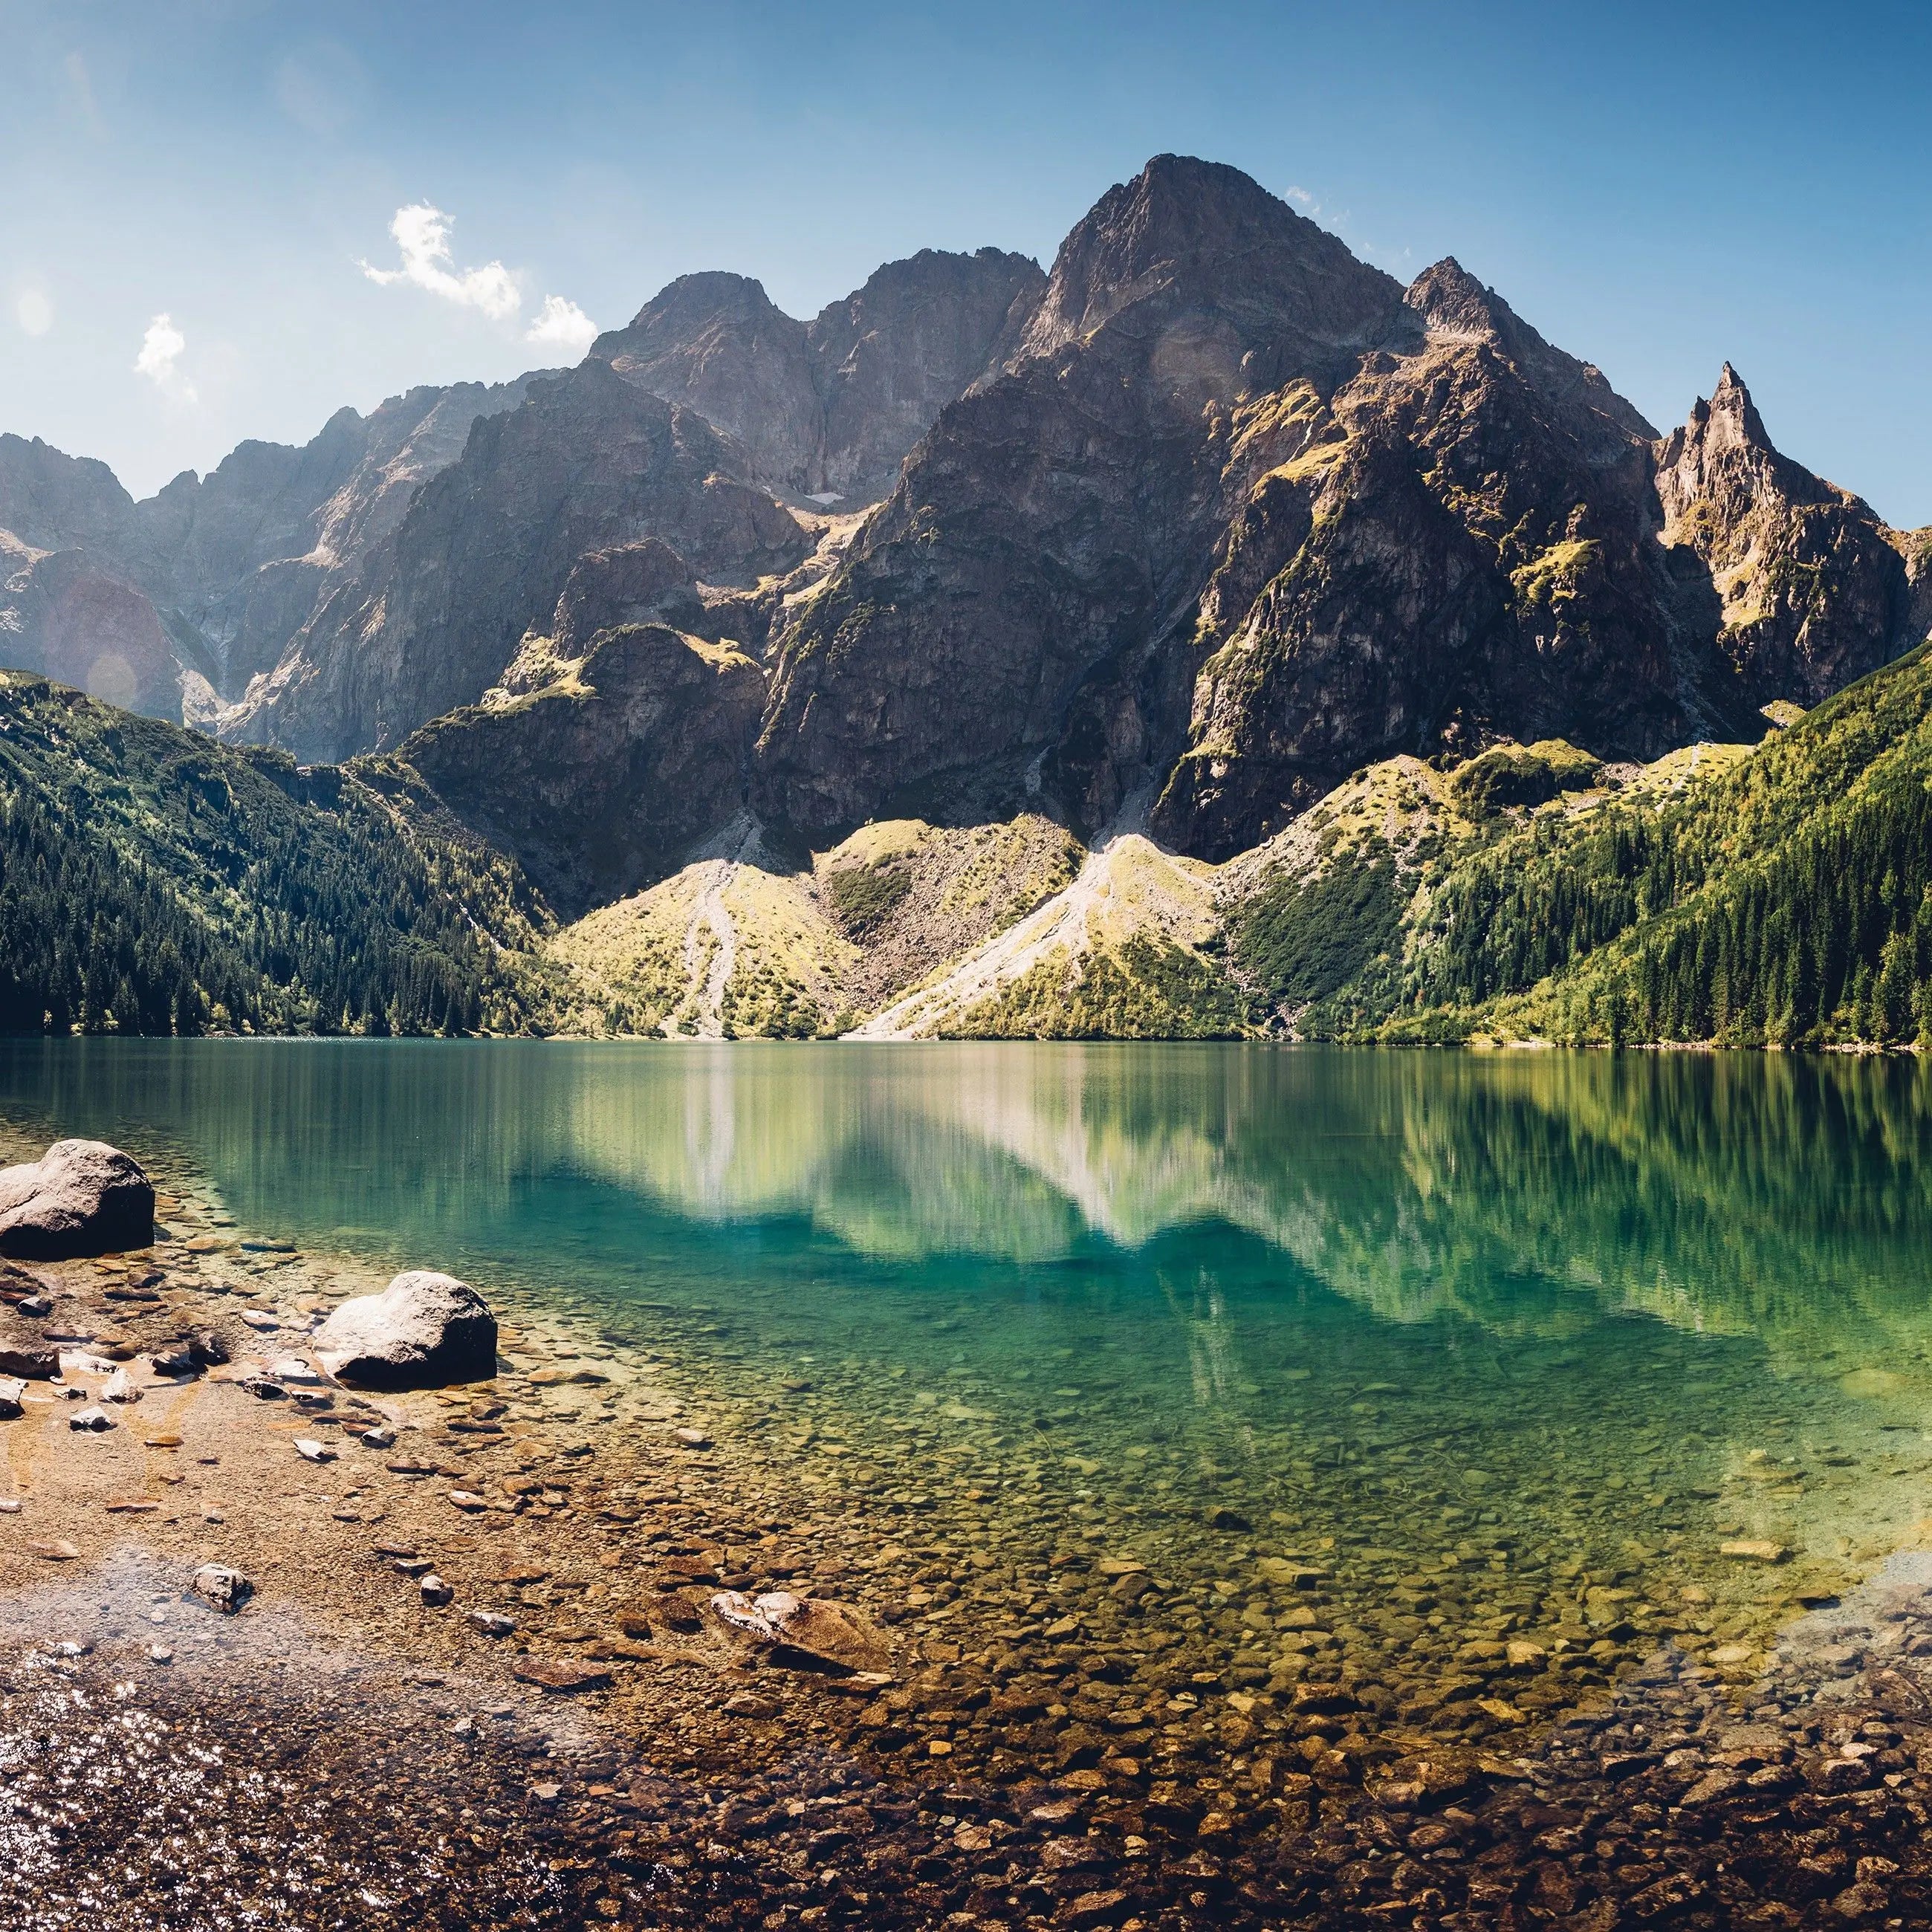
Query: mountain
[(1212, 635), (1241, 514), (172, 604)]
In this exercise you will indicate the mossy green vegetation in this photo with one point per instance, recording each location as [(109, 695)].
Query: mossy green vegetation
[(864, 895), (1523, 774)]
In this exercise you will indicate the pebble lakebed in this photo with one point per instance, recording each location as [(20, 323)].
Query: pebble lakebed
[(1204, 1667)]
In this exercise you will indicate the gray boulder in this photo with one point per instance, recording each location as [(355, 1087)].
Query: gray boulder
[(424, 1331), (79, 1198)]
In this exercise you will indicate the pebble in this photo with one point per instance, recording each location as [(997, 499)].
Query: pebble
[(491, 1623), (90, 1420), (310, 1450), (435, 1591)]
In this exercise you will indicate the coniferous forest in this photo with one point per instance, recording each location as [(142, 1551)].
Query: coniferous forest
[(153, 881)]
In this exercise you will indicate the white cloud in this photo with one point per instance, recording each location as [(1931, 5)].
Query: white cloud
[(35, 310), (562, 325), (161, 354), (422, 233), (1301, 196)]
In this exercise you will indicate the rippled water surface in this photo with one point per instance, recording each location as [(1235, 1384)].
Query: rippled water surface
[(1487, 1356)]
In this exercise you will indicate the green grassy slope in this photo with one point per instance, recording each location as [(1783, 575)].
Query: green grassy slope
[(153, 881), (1777, 896)]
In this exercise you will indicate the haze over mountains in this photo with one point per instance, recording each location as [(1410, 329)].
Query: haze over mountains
[(1178, 535)]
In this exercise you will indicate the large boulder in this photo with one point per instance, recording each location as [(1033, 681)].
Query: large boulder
[(424, 1330), (79, 1198)]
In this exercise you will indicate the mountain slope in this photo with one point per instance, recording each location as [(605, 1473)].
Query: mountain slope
[(153, 881)]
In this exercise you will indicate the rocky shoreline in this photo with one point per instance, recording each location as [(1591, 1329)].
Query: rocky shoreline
[(565, 1729)]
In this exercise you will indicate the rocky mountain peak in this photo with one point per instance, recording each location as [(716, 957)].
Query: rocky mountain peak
[(1729, 420), (1453, 302), (1207, 237), (688, 303)]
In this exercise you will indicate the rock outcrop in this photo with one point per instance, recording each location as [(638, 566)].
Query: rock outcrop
[(1812, 587), (600, 779), (79, 1198), (828, 408), (424, 1330)]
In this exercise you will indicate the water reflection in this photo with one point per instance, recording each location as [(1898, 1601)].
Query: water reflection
[(1775, 1196)]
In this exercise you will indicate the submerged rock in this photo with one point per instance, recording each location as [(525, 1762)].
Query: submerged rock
[(224, 1588), (424, 1331), (809, 1631), (79, 1198)]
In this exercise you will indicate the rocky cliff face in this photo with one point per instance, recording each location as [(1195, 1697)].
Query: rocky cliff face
[(224, 570), (1239, 514), (998, 609), (600, 779), (829, 407), (487, 545), (1812, 588)]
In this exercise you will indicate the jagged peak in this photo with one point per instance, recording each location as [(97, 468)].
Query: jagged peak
[(1453, 302), (1729, 420), (708, 292), (1214, 233)]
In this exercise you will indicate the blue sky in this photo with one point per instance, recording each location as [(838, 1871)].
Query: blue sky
[(1657, 187)]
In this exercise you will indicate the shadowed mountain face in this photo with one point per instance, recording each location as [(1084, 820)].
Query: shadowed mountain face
[(1208, 518)]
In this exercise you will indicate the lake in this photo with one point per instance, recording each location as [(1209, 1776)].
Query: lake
[(1458, 1380)]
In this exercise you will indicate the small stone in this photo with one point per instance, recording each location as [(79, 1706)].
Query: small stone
[(1222, 1517), (1750, 1551), (491, 1623), (10, 1505), (692, 1438), (435, 1591), (465, 1499), (119, 1386), (381, 1437), (562, 1677), (292, 1369), (13, 1398), (224, 1588), (59, 1551), (129, 1505), (310, 1450), (166, 1440), (91, 1419), (159, 1653), (749, 1704)]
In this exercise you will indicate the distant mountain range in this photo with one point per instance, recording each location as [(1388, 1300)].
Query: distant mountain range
[(809, 668)]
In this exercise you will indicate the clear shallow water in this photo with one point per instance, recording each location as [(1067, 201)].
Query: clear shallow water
[(1463, 1349)]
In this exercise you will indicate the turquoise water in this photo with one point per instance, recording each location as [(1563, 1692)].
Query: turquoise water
[(1468, 1346)]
